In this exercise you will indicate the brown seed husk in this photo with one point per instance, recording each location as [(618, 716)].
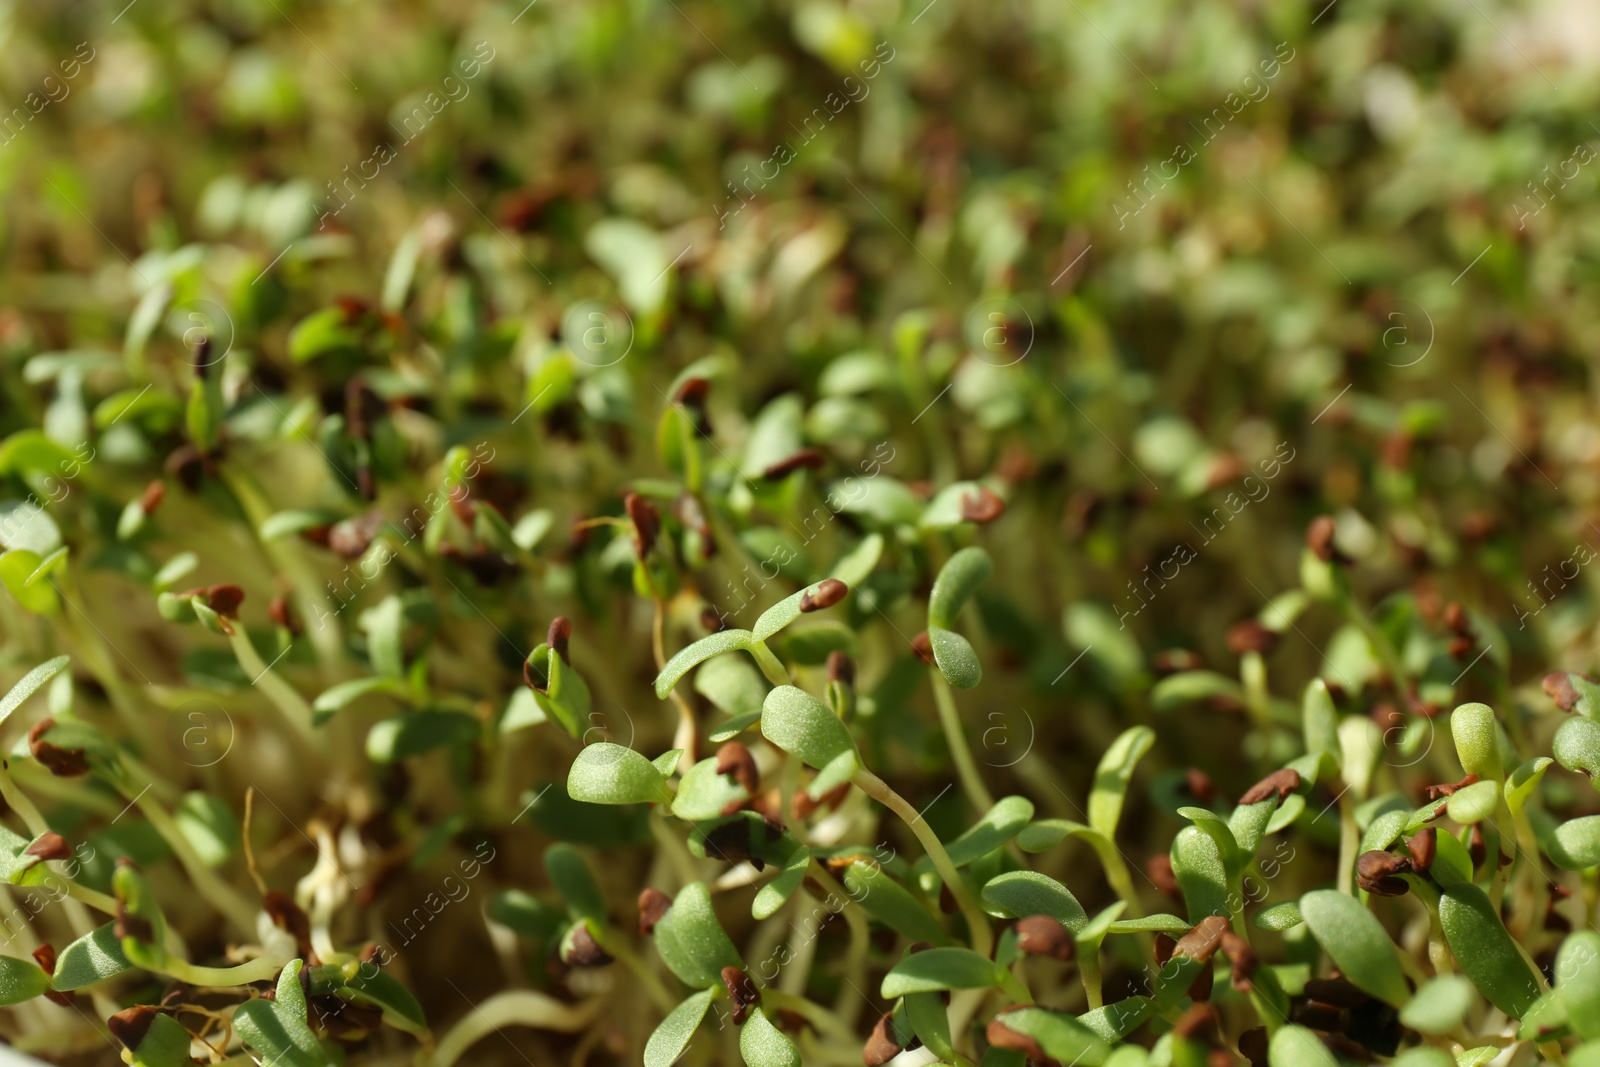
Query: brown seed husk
[(1279, 783), (1041, 935), (653, 906)]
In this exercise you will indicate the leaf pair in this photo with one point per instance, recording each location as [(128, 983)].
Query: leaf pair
[(607, 773), (958, 579)]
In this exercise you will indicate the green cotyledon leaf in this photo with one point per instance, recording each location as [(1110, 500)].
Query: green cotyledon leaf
[(1320, 725), (1296, 1046), (1577, 746), (997, 826), (672, 1036), (814, 597), (1018, 894), (152, 1039), (278, 1030), (1061, 1037), (1112, 776), (94, 957), (688, 658), (733, 684), (1475, 731), (606, 773), (1439, 1005), (570, 874), (958, 579), (1191, 687), (703, 793), (691, 940), (804, 726), (771, 897), (1474, 803), (1201, 871), (1356, 942), (1573, 845), (763, 1045), (21, 980), (1484, 950), (1577, 981), (891, 903), (140, 917), (31, 683), (955, 657), (365, 983), (929, 1017), (940, 968)]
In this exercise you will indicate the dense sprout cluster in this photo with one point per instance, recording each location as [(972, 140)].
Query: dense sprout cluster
[(817, 533)]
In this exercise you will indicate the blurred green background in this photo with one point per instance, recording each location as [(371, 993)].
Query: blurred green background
[(1123, 259)]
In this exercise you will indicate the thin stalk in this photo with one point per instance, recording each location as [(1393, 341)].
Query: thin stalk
[(675, 851), (960, 753), (815, 1014), (1117, 875), (1349, 843), (1531, 898), (769, 664), (795, 976), (686, 737), (93, 897), (618, 948), (964, 1004), (20, 803), (286, 557), (847, 1005), (280, 692), (791, 786), (977, 921), (518, 1007), (1552, 1053), (1380, 643), (29, 773), (263, 969), (1258, 700), (1014, 988), (1089, 975), (222, 896)]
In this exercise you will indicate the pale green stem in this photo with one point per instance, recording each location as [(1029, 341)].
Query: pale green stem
[(798, 972), (847, 1005), (1349, 843), (1380, 643), (1117, 875), (964, 1004), (791, 786), (258, 970), (814, 1014), (960, 753), (1089, 975), (517, 1007), (222, 896), (769, 664), (618, 948), (676, 852), (1531, 899), (23, 805), (93, 897), (1253, 675), (287, 557), (1413, 969), (977, 921), (39, 780), (1014, 988), (280, 692)]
